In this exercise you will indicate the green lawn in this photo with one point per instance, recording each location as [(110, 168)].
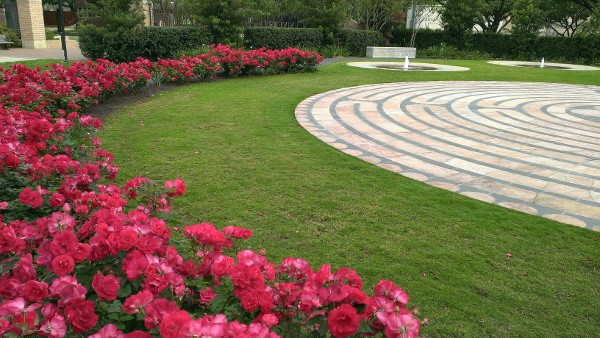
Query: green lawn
[(42, 63), (247, 162)]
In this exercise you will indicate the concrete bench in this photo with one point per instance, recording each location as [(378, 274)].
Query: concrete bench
[(5, 43), (391, 52)]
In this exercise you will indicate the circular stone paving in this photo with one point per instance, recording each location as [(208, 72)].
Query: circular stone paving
[(549, 65), (531, 147), (412, 66)]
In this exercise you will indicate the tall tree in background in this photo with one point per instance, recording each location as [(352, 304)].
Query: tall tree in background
[(459, 16), (116, 14), (224, 18), (564, 14), (376, 15), (588, 4), (527, 19), (494, 15), (66, 3), (329, 14), (592, 25)]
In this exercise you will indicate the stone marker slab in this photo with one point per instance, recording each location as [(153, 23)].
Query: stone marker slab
[(391, 52)]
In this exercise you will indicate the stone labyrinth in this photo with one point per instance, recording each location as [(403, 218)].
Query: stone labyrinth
[(531, 147)]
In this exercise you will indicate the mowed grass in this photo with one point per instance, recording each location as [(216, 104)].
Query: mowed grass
[(247, 162), (42, 63)]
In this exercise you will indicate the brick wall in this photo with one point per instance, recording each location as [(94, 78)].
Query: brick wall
[(31, 20)]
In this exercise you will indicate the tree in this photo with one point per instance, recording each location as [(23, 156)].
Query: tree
[(494, 15), (459, 16), (327, 14), (592, 26), (565, 14), (527, 18), (588, 4), (116, 14), (375, 14), (66, 3), (224, 18), (170, 12)]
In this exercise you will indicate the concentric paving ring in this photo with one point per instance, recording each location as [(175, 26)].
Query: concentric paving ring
[(532, 147)]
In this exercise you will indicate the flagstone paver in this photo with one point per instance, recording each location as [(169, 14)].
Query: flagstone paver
[(531, 147)]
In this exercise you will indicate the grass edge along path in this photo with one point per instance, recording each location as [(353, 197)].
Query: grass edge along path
[(246, 162)]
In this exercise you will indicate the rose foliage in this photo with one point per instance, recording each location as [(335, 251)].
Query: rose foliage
[(81, 256)]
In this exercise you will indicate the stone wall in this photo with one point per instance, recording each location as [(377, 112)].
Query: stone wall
[(31, 20)]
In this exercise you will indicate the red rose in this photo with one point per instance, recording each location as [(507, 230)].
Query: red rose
[(82, 252), (35, 291), (206, 296), (127, 239), (343, 321), (134, 303), (56, 200), (155, 282), (249, 301), (176, 188), (134, 264), (33, 198), (11, 160), (68, 290), (157, 226), (138, 334), (270, 319), (80, 314), (221, 266), (63, 265), (106, 287), (64, 242), (173, 323)]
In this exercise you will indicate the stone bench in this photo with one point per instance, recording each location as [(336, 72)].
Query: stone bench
[(391, 52), (5, 43)]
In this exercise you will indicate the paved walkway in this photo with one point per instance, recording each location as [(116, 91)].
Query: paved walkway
[(21, 54), (531, 147)]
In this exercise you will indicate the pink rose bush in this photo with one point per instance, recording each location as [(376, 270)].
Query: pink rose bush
[(81, 256)]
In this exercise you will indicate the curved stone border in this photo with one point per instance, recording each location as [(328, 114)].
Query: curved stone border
[(531, 147), (566, 66), (438, 68)]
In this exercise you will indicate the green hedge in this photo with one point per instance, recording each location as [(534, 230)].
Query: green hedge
[(278, 38), (357, 40), (148, 42), (426, 38), (10, 35), (354, 41), (578, 49)]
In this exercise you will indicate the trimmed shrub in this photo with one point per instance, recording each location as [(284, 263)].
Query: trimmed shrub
[(356, 41), (277, 38), (49, 34), (148, 42), (578, 49), (426, 38), (10, 35)]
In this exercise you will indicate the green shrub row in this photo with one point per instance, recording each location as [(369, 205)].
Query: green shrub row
[(10, 35), (148, 42), (578, 49), (279, 38), (168, 42), (355, 42)]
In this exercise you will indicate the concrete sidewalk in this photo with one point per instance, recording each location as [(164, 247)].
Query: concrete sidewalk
[(21, 54)]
